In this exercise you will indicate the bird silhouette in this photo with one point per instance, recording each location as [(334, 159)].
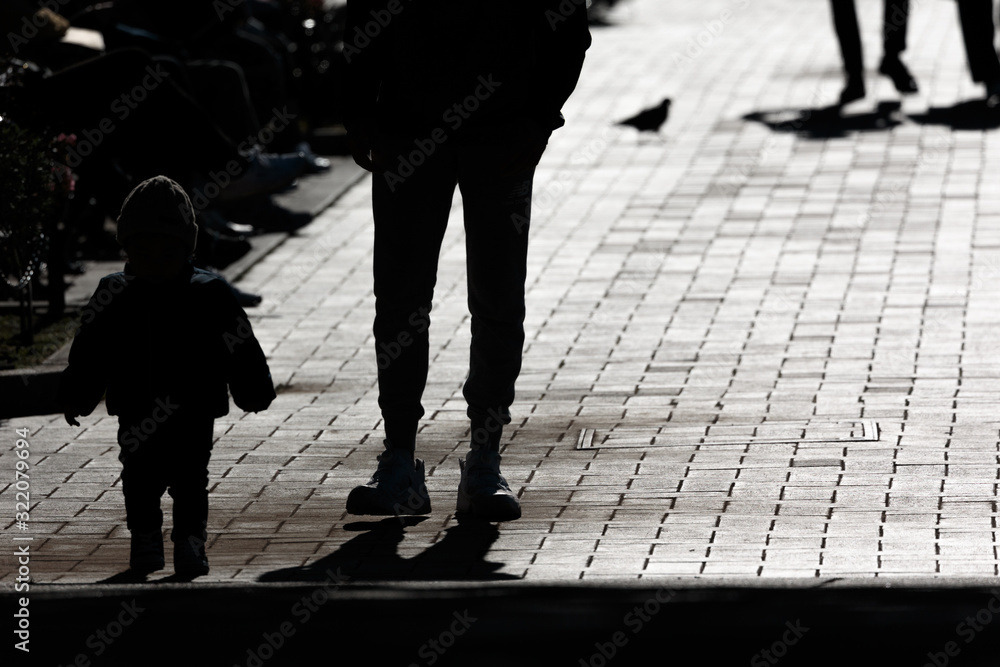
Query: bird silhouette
[(649, 120)]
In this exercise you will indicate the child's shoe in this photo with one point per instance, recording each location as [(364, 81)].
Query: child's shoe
[(189, 557), (147, 552)]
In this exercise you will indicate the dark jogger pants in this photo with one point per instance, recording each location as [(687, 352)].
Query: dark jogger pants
[(170, 454), (411, 202)]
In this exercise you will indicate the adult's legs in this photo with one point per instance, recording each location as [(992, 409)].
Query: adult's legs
[(895, 19), (845, 24), (894, 24), (411, 202), (978, 30), (411, 214), (497, 169), (496, 185)]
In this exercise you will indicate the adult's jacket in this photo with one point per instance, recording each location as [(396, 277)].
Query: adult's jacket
[(410, 62)]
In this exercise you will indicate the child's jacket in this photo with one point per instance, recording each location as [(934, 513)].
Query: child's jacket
[(176, 344)]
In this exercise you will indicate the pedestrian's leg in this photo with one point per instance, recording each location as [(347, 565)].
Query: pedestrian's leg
[(845, 23), (496, 186), (976, 19), (411, 204), (895, 20), (497, 218), (411, 209), (191, 447), (143, 484), (894, 25)]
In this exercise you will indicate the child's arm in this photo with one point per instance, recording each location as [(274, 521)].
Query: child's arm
[(247, 373), (84, 380)]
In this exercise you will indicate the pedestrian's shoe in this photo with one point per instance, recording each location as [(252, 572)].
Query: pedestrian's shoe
[(901, 78), (189, 557), (853, 90), (267, 173), (993, 94), (314, 163), (483, 493), (147, 552), (396, 488)]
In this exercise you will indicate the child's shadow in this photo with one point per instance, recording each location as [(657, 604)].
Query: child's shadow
[(372, 555)]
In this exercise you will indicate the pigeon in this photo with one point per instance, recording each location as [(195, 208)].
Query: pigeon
[(649, 120)]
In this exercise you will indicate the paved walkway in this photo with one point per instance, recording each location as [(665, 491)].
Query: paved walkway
[(759, 346)]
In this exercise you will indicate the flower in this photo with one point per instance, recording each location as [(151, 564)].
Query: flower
[(61, 176)]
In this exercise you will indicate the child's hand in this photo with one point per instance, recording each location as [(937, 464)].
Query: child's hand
[(71, 419)]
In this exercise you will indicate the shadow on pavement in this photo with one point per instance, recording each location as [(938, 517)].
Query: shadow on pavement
[(132, 577), (828, 122), (831, 122), (968, 115), (126, 577), (373, 556)]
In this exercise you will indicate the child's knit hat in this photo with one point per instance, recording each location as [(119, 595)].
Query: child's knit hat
[(158, 206)]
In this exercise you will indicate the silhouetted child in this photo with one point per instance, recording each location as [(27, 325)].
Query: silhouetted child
[(164, 340)]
